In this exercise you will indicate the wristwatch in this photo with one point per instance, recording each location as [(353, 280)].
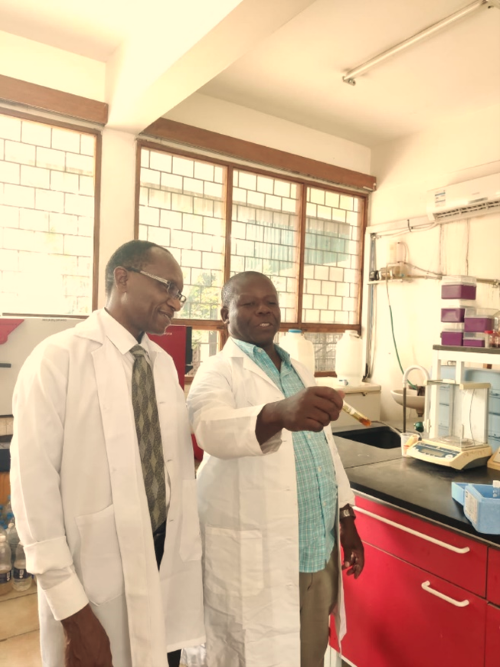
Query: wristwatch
[(346, 511)]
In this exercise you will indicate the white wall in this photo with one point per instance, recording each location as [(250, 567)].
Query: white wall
[(19, 345), (464, 148), (44, 65), (240, 122)]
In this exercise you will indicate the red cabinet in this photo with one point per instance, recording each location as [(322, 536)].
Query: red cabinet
[(492, 637), (493, 593), (421, 599), (398, 614), (446, 553)]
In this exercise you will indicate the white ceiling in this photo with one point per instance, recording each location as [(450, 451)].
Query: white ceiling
[(296, 73), (91, 28)]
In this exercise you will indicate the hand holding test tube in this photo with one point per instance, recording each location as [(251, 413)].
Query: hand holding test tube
[(357, 415)]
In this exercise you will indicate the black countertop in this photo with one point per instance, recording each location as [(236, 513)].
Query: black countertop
[(413, 485)]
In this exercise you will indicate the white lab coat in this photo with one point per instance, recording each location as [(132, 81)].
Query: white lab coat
[(247, 500), (80, 505)]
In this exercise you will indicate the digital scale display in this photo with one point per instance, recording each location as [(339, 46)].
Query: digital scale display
[(440, 453)]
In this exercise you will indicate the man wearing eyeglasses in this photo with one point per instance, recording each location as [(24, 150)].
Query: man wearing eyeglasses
[(103, 484)]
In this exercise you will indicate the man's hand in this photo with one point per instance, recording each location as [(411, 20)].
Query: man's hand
[(309, 410), (87, 644), (354, 553)]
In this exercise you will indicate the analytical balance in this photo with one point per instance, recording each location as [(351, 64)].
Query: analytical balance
[(456, 414)]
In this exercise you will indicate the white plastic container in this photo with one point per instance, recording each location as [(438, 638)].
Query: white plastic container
[(299, 348), (349, 358)]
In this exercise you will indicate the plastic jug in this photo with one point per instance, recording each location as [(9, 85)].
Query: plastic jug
[(349, 358), (299, 348)]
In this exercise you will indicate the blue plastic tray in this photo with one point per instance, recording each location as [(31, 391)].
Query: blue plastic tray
[(481, 505)]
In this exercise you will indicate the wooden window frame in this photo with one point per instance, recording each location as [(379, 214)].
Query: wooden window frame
[(303, 183), (97, 202)]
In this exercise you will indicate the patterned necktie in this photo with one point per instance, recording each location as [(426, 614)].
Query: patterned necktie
[(147, 426)]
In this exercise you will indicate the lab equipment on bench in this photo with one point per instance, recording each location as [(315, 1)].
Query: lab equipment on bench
[(456, 413)]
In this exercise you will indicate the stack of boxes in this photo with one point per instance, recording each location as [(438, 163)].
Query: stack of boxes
[(464, 323)]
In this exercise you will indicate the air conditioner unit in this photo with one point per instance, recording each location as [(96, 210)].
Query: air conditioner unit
[(465, 200)]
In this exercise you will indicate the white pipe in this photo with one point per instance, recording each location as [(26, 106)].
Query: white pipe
[(351, 75)]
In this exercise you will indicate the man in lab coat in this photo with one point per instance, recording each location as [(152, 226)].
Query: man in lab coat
[(110, 527), (270, 495)]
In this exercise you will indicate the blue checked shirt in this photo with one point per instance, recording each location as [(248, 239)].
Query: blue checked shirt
[(317, 492)]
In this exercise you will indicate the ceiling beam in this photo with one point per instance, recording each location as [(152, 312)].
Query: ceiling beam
[(182, 47)]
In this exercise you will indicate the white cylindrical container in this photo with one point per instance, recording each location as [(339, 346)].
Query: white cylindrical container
[(349, 358), (299, 348)]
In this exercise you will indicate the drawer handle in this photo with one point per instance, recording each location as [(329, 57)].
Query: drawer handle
[(450, 547), (427, 587)]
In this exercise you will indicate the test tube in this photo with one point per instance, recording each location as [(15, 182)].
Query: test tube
[(357, 415)]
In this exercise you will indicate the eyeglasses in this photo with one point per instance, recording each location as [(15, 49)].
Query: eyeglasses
[(171, 287)]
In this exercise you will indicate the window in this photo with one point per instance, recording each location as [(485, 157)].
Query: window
[(47, 186), (219, 219)]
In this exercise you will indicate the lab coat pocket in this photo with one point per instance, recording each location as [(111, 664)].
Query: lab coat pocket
[(190, 547), (234, 563), (100, 556)]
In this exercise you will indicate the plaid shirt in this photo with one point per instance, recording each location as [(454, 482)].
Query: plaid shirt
[(317, 492)]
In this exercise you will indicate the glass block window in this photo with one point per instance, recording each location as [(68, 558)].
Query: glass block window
[(324, 348), (182, 207), (265, 233), (325, 345), (205, 344), (47, 185), (332, 258)]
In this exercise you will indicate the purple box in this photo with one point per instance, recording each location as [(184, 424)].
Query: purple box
[(458, 292), (478, 324), (473, 342), (458, 287), (452, 314), (452, 338), (475, 339)]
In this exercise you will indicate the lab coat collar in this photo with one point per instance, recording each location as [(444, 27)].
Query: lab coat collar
[(230, 349), (101, 325)]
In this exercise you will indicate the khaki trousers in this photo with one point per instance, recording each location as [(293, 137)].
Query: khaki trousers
[(318, 597)]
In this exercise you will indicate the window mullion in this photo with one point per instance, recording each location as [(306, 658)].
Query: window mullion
[(229, 218), (301, 250)]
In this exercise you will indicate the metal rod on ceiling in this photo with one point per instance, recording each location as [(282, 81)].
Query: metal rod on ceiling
[(351, 75)]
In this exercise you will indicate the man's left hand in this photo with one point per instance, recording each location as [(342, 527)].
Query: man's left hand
[(354, 553)]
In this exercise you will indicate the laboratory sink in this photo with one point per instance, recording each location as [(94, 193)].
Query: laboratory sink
[(378, 436)]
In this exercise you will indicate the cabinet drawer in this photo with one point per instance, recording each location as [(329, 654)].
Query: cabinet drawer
[(492, 653), (493, 590), (447, 554), (400, 616)]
